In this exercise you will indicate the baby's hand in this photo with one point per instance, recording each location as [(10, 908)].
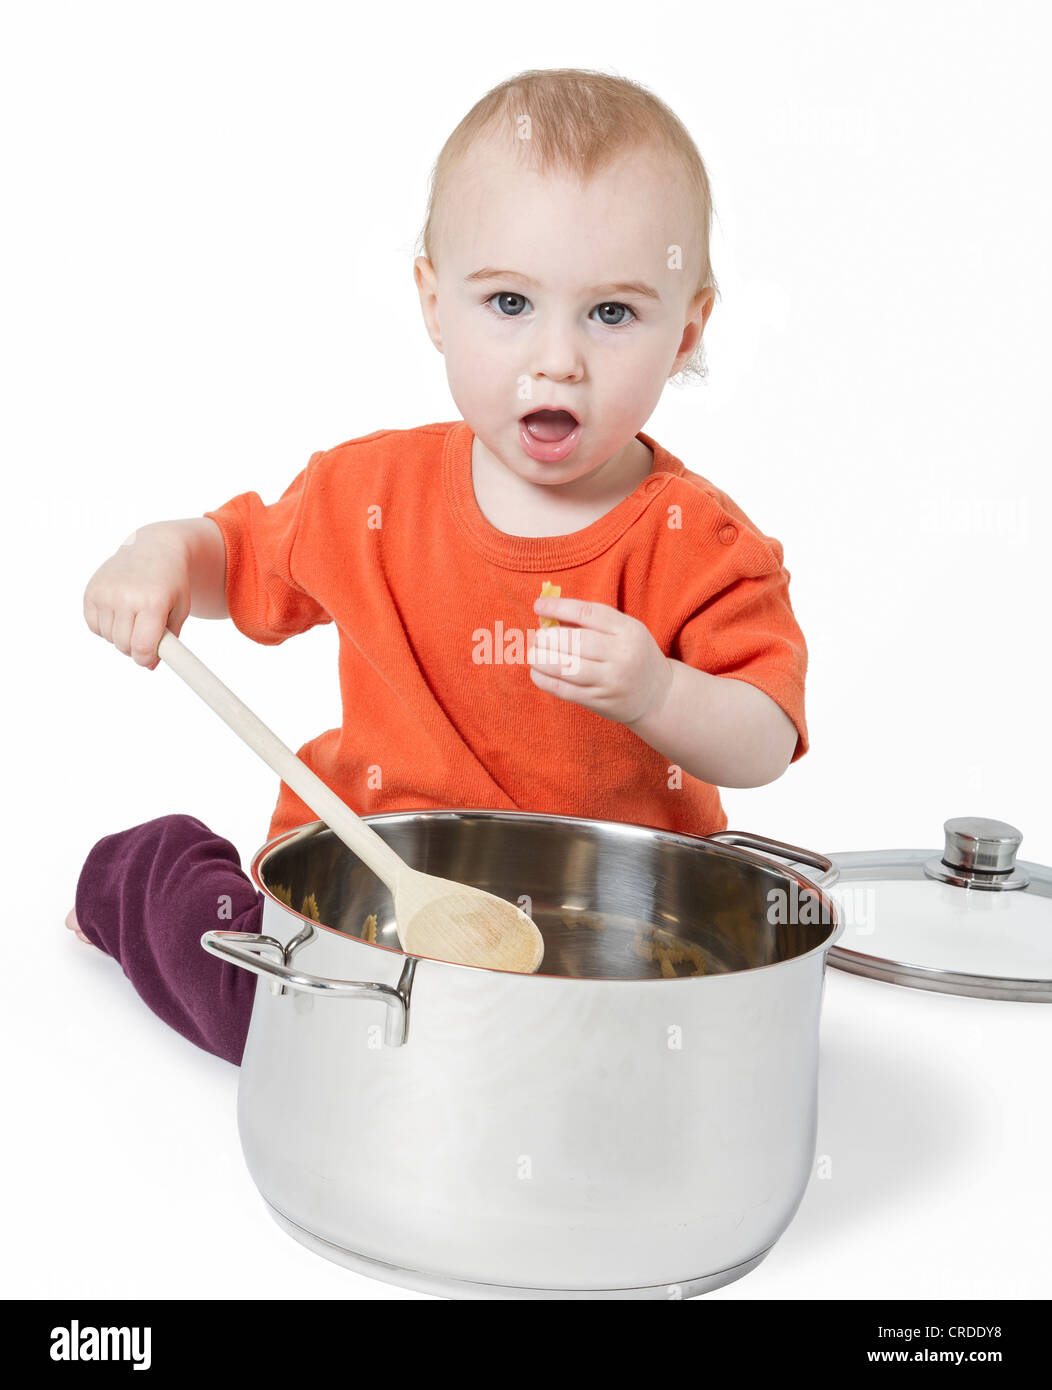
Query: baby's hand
[(606, 660), (138, 592)]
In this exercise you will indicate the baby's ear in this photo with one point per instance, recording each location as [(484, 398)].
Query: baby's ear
[(689, 357), (424, 274), (701, 307), (427, 287)]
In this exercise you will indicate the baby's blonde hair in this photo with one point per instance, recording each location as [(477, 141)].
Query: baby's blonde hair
[(579, 121)]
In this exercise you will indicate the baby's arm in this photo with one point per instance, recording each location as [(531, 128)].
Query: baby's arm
[(156, 578), (206, 553), (723, 731)]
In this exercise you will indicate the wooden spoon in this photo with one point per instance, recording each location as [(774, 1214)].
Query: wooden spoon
[(434, 916)]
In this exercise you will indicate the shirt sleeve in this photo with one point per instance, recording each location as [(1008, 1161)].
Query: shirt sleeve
[(748, 632), (263, 597)]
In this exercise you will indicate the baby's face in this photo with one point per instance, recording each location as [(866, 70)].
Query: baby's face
[(552, 295)]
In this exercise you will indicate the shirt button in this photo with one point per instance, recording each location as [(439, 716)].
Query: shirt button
[(652, 484), (727, 535)]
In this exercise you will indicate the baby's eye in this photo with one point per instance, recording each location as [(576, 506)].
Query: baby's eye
[(610, 314), (508, 304)]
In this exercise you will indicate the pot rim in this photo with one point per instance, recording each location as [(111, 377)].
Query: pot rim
[(631, 829)]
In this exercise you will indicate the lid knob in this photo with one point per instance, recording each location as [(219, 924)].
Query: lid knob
[(979, 853), (975, 844)]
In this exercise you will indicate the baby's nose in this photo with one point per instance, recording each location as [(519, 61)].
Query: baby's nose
[(558, 357)]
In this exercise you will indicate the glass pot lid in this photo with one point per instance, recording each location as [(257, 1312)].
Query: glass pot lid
[(967, 920)]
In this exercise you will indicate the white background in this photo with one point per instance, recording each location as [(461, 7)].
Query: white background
[(211, 217)]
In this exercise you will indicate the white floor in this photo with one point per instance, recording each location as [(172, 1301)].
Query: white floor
[(125, 1177)]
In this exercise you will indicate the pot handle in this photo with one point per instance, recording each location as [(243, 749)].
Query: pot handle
[(830, 871), (243, 948)]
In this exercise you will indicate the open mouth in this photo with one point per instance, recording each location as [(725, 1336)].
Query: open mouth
[(550, 426)]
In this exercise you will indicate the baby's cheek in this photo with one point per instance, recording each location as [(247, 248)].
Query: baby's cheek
[(475, 377)]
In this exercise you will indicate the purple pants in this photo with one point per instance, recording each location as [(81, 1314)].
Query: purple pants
[(146, 895)]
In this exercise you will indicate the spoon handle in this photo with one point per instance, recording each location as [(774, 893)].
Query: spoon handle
[(307, 785)]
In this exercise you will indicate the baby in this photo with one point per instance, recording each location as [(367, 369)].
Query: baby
[(565, 278)]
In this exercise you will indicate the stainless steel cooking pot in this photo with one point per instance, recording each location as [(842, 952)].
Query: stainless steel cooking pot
[(617, 1125)]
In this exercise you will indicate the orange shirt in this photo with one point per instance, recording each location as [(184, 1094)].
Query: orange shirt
[(383, 536)]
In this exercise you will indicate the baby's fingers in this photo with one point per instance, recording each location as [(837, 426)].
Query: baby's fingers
[(122, 630), (100, 619), (90, 610), (147, 633)]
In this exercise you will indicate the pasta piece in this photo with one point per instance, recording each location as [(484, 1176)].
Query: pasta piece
[(549, 590), (668, 953), (592, 920), (369, 928)]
